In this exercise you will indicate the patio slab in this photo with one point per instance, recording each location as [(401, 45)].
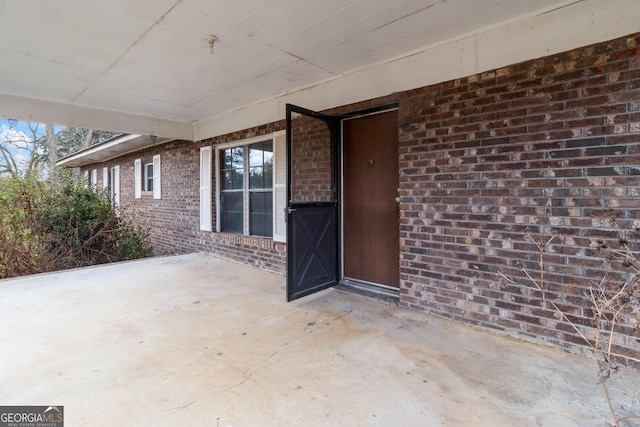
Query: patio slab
[(194, 340)]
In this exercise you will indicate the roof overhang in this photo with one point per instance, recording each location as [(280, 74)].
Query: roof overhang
[(144, 67), (43, 111), (110, 149)]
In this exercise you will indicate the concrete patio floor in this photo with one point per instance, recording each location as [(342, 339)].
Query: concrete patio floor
[(193, 340)]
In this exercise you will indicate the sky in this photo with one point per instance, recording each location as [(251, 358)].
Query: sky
[(16, 131), (7, 132)]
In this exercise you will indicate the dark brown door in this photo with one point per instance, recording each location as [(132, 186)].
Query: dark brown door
[(371, 216)]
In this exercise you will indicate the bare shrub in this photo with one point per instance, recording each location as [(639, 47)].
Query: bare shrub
[(615, 305)]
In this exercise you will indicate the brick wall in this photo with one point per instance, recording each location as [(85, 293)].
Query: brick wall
[(174, 220), (493, 166), (312, 168)]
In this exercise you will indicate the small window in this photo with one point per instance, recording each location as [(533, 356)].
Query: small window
[(148, 177)]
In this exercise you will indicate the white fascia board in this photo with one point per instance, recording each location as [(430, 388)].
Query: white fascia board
[(43, 111), (575, 25), (111, 149), (78, 159), (580, 24)]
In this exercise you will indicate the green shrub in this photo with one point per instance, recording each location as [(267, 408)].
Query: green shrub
[(62, 224)]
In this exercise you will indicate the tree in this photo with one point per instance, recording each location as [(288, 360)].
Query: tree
[(70, 140), (22, 151), (51, 146), (32, 149)]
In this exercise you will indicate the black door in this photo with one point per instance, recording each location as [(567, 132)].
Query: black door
[(312, 202)]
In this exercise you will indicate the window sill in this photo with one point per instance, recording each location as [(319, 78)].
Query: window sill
[(246, 239), (227, 234)]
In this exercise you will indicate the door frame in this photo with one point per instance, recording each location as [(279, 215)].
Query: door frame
[(357, 115), (335, 123)]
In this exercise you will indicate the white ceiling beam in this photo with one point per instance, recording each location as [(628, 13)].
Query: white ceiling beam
[(579, 24), (41, 111)]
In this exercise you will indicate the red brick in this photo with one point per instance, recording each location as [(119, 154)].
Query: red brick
[(488, 162)]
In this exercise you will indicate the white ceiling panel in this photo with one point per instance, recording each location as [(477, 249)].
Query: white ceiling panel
[(238, 53), (294, 24), (11, 71), (169, 36), (323, 26), (117, 100), (18, 24), (233, 11), (268, 15), (151, 57), (368, 45), (47, 40), (92, 36), (205, 6), (258, 60), (64, 81)]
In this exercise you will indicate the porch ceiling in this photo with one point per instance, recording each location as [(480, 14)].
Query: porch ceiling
[(145, 66)]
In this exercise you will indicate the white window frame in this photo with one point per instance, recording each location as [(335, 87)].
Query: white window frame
[(146, 176), (94, 177), (277, 215)]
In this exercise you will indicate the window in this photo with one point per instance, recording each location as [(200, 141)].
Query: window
[(261, 189), (148, 177), (246, 189), (232, 190), (251, 187), (152, 181)]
